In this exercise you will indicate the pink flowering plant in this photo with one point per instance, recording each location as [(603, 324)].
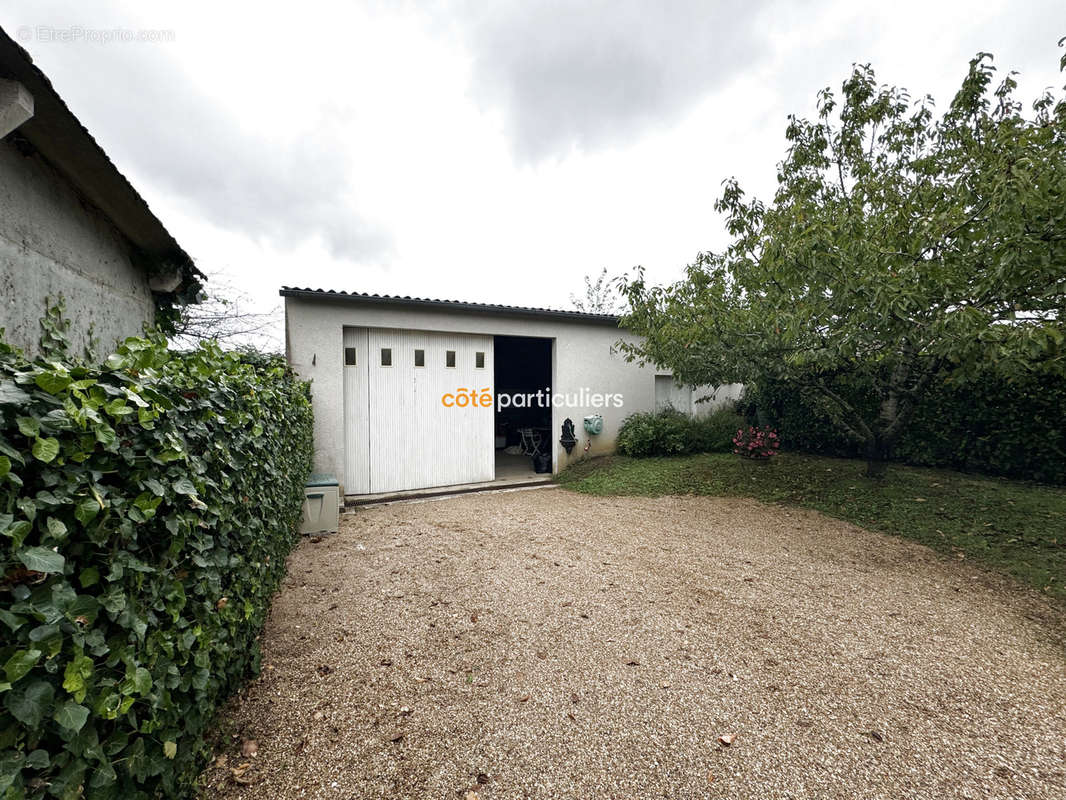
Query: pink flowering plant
[(756, 442)]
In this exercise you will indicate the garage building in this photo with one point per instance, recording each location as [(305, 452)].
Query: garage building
[(411, 393)]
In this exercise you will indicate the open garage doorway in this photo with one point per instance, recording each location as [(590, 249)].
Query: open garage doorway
[(523, 414)]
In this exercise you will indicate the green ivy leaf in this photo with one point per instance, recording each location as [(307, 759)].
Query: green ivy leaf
[(57, 528), (11, 394), (21, 663), (90, 576), (41, 559), (38, 759), (5, 467), (105, 434), (28, 426), (71, 716), (86, 510), (11, 763), (30, 703), (170, 749), (76, 675), (13, 621), (154, 486), (45, 449), (52, 382), (183, 486), (18, 531)]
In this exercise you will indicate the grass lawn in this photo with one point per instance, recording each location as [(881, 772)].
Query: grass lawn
[(1016, 527)]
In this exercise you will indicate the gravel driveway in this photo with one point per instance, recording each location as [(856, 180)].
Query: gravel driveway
[(552, 645)]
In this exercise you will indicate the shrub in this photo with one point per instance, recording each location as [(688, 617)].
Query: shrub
[(755, 442), (147, 507), (713, 432), (669, 432), (991, 425), (654, 433)]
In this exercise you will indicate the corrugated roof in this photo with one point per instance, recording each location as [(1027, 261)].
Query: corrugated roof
[(455, 305)]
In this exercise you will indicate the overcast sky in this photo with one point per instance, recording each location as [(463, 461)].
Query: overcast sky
[(491, 151)]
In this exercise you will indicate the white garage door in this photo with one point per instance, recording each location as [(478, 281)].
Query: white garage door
[(400, 434)]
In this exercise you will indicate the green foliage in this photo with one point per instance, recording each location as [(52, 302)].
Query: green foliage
[(654, 433), (1014, 527), (669, 432), (714, 432), (986, 424), (899, 249), (55, 329), (146, 510)]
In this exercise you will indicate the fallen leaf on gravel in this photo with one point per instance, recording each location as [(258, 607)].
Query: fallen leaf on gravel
[(710, 777), (471, 796), (574, 698), (876, 736), (316, 539), (570, 714), (541, 654), (319, 715), (524, 698), (324, 669), (239, 776), (482, 778), (567, 603), (727, 738), (249, 747), (396, 736), (221, 761), (632, 663), (473, 617)]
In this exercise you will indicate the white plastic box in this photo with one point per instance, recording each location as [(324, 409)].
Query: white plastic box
[(321, 505)]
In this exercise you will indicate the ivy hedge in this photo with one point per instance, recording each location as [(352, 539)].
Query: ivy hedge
[(1014, 428), (146, 506)]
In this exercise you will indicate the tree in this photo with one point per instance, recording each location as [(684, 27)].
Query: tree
[(224, 315), (900, 248), (600, 296)]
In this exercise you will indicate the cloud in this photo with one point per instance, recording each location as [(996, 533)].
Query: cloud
[(281, 174), (600, 72)]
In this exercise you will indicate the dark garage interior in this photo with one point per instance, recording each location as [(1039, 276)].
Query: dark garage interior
[(523, 366)]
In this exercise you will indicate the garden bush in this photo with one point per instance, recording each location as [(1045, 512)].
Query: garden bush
[(990, 425), (668, 432), (714, 432), (147, 507)]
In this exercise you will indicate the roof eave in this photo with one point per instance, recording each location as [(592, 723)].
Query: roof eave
[(60, 138), (450, 305)]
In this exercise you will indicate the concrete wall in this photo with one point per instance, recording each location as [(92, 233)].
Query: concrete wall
[(52, 244), (584, 356)]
